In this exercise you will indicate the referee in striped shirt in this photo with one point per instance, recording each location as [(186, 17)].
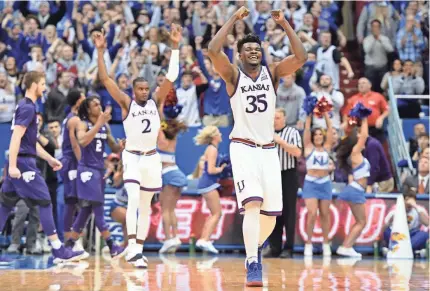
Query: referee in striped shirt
[(289, 144)]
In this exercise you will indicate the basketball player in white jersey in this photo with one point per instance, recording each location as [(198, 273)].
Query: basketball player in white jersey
[(256, 170), (142, 164)]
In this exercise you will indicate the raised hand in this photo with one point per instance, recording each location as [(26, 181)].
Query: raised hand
[(242, 12), (106, 116), (278, 16), (99, 40), (175, 35)]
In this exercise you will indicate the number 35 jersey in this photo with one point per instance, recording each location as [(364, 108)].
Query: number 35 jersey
[(253, 104), (141, 126)]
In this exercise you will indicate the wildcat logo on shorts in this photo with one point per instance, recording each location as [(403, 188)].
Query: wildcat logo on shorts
[(86, 176), (28, 176), (240, 186), (72, 174)]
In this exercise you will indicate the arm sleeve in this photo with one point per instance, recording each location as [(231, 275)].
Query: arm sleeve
[(297, 140), (201, 62), (86, 47), (57, 16), (253, 11)]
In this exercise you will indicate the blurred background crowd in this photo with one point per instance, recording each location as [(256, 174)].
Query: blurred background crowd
[(353, 49)]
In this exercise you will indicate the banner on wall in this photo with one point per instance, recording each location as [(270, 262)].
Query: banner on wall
[(192, 212)]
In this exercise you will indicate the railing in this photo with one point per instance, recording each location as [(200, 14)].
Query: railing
[(398, 146)]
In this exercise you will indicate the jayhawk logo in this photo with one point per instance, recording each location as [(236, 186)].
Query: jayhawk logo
[(28, 176), (395, 238), (72, 174), (86, 176)]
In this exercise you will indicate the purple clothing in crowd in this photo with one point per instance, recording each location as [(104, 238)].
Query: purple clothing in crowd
[(379, 165)]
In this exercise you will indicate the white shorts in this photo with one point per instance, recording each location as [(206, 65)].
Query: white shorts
[(142, 170), (257, 177)]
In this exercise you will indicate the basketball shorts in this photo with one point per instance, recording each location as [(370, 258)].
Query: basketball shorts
[(90, 186), (143, 170), (31, 186), (69, 174), (257, 177)]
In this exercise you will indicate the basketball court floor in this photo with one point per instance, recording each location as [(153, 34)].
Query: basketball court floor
[(206, 273)]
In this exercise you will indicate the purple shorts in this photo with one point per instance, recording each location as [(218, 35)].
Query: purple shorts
[(90, 186), (31, 186), (69, 174)]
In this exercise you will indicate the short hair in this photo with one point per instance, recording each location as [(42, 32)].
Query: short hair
[(139, 80), (97, 28), (36, 46), (326, 32), (54, 120), (423, 134), (187, 73), (251, 37), (408, 61), (409, 192), (33, 77), (377, 21), (281, 110), (73, 97)]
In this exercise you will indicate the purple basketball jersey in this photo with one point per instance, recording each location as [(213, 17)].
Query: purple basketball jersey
[(25, 115), (92, 154), (66, 147)]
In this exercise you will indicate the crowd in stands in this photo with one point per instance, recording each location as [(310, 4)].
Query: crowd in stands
[(55, 37)]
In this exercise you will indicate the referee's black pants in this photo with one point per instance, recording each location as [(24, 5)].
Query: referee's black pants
[(290, 187)]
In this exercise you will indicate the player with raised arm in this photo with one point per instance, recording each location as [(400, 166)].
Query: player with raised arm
[(92, 132), (24, 180), (256, 170), (142, 163)]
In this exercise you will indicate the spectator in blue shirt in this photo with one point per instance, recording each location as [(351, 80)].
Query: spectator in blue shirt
[(216, 103), (410, 41)]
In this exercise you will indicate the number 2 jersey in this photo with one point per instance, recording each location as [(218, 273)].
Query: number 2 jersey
[(92, 154), (141, 126), (253, 104)]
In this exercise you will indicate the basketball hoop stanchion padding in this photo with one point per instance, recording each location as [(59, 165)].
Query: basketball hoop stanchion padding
[(400, 241)]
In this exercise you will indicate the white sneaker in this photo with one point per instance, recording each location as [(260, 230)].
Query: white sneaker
[(308, 250), (79, 247), (326, 250), (132, 254), (385, 251), (206, 246), (168, 246), (177, 243), (141, 263), (347, 252)]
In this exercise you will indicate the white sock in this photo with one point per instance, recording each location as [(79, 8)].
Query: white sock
[(267, 224), (56, 244), (133, 192), (251, 232), (132, 242), (144, 213)]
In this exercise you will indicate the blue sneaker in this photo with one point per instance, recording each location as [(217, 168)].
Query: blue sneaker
[(65, 255), (259, 255), (254, 275)]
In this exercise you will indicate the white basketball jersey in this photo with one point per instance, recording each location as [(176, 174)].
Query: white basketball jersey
[(141, 126), (253, 105)]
